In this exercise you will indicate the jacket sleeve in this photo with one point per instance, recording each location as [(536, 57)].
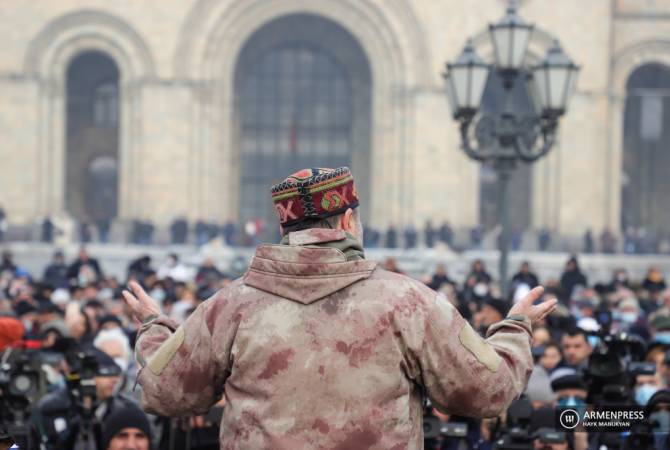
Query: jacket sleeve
[(466, 374), (181, 372)]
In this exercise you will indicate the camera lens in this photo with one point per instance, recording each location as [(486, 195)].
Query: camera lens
[(22, 384)]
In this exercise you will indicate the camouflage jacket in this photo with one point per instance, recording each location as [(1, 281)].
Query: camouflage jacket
[(311, 350)]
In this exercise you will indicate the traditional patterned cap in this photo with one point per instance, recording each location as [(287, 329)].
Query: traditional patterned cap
[(314, 193)]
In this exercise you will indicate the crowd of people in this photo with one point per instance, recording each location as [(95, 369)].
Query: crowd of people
[(73, 317)]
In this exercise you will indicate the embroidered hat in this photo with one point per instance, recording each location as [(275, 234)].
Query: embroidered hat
[(314, 193)]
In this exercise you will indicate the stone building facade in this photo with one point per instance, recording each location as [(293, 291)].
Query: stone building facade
[(169, 118)]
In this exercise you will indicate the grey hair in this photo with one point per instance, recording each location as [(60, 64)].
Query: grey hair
[(330, 222)]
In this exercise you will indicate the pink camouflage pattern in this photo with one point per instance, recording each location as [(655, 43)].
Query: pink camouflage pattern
[(313, 351)]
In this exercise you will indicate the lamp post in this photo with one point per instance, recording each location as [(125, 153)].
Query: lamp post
[(508, 137)]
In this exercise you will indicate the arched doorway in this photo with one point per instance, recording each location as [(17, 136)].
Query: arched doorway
[(302, 99), (645, 183), (520, 184), (92, 134)]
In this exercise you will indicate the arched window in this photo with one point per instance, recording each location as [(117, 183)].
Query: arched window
[(303, 100), (646, 159), (92, 135)]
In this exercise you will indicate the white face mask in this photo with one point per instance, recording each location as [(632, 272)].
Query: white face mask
[(481, 289)]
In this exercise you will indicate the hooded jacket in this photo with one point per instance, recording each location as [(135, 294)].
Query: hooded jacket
[(316, 347)]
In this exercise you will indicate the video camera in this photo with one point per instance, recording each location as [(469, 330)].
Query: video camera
[(525, 425), (613, 367), (435, 429), (21, 385)]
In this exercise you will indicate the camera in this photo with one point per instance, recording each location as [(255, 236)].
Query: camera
[(613, 367), (439, 431), (21, 385)]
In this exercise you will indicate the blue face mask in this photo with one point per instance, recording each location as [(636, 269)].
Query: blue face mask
[(594, 341), (663, 420), (572, 402), (629, 317), (663, 337), (643, 393)]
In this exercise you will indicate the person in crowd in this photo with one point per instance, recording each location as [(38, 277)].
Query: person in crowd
[(391, 237), (47, 230), (544, 239), (440, 278), (654, 281), (492, 311), (84, 269), (619, 280), (391, 264), (588, 245), (179, 231), (525, 276), (446, 234), (7, 265), (575, 348), (57, 420), (539, 390), (56, 273), (229, 232), (476, 237), (3, 223), (429, 234), (478, 271), (173, 268), (126, 428), (208, 271), (551, 357), (11, 330), (608, 242), (85, 232), (411, 236), (140, 268), (571, 278), (541, 336)]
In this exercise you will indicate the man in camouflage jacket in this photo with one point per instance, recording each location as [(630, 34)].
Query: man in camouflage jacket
[(317, 347)]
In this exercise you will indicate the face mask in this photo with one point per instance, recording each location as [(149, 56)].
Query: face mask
[(663, 337), (616, 315), (663, 420), (629, 317), (481, 289), (572, 402), (158, 294), (644, 393), (593, 340)]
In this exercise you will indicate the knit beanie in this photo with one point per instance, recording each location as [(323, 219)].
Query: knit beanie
[(129, 416)]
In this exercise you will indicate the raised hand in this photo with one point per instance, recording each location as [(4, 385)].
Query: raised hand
[(534, 312), (140, 303)]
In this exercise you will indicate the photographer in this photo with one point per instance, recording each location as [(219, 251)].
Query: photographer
[(69, 415)]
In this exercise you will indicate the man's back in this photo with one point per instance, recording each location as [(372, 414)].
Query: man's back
[(315, 351)]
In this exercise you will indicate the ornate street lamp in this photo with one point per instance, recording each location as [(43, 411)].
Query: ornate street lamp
[(507, 137)]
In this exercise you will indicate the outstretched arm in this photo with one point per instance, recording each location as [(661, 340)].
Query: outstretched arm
[(466, 374), (180, 374)]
